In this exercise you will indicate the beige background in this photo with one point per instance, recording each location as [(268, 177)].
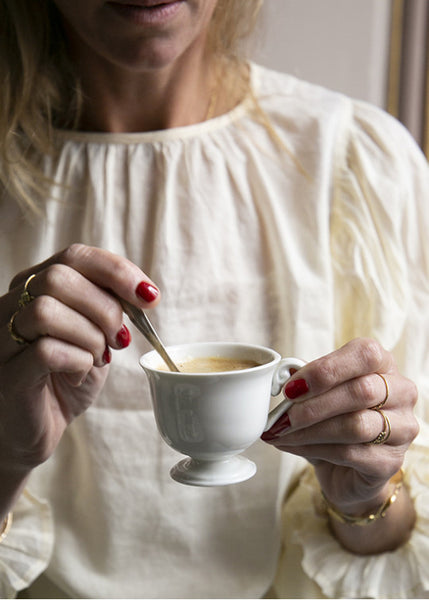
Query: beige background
[(342, 44)]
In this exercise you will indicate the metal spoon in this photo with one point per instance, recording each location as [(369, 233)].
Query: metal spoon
[(143, 324)]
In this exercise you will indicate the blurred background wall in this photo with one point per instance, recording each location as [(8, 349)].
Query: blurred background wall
[(342, 44)]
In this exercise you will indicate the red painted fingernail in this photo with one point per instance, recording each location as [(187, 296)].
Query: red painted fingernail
[(296, 388), (279, 427), (107, 356), (147, 292), (123, 337)]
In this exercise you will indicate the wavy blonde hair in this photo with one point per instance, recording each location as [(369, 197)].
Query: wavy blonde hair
[(40, 90)]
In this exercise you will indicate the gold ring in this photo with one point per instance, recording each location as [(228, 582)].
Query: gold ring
[(13, 332), (384, 434), (387, 392), (26, 297)]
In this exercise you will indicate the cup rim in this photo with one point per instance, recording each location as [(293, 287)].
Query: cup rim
[(275, 358)]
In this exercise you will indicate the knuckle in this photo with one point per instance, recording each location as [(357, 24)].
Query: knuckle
[(97, 346), (44, 310), (122, 270), (325, 375), (372, 353), (413, 393), (44, 352), (363, 388), (395, 462), (112, 315), (414, 428), (55, 277), (310, 412), (74, 253), (409, 428), (361, 428)]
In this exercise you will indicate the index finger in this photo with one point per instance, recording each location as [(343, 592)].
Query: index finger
[(358, 357), (104, 268)]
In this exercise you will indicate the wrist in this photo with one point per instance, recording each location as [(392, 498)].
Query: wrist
[(367, 512), (390, 528)]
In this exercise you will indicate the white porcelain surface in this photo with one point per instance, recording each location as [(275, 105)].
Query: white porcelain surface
[(213, 473), (212, 417)]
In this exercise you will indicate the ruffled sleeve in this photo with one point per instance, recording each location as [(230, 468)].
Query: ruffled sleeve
[(26, 551), (380, 254)]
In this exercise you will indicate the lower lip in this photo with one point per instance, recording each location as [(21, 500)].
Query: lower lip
[(151, 15)]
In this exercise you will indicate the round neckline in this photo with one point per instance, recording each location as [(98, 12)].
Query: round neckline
[(164, 135)]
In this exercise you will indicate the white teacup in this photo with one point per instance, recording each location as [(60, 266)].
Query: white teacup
[(214, 416)]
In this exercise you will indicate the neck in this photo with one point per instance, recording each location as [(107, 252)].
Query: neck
[(116, 100)]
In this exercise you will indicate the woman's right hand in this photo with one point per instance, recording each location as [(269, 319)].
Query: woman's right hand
[(69, 328)]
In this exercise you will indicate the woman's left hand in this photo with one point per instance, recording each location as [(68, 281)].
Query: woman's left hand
[(333, 423)]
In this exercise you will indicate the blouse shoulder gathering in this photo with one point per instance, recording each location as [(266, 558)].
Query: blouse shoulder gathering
[(26, 551)]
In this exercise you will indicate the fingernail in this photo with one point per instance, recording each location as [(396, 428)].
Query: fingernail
[(296, 388), (107, 356), (279, 427), (147, 292), (123, 337)]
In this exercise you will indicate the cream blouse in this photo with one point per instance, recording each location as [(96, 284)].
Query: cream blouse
[(299, 248)]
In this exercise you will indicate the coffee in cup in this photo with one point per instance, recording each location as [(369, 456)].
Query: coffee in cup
[(212, 364)]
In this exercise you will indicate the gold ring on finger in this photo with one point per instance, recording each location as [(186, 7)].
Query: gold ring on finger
[(387, 392), (13, 332), (384, 434), (26, 297)]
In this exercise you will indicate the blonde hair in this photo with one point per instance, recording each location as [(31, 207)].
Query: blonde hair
[(40, 90), (232, 23)]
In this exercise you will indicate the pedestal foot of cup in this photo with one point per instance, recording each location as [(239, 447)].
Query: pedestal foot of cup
[(213, 473)]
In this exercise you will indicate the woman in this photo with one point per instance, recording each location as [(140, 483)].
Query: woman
[(138, 155)]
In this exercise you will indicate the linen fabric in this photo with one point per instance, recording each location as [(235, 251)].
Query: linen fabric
[(299, 243)]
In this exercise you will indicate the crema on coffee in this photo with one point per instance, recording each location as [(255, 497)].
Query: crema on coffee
[(213, 364)]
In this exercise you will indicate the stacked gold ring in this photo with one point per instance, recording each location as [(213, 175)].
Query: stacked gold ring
[(387, 392), (24, 299), (384, 434), (13, 332)]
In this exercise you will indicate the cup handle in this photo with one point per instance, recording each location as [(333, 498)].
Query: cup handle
[(281, 375)]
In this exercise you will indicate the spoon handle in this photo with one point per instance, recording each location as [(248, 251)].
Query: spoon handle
[(141, 321)]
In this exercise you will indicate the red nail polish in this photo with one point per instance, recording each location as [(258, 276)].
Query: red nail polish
[(279, 427), (123, 337), (107, 356), (296, 388), (147, 292)]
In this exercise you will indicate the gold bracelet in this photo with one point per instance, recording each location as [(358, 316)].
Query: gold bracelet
[(7, 524), (380, 513)]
